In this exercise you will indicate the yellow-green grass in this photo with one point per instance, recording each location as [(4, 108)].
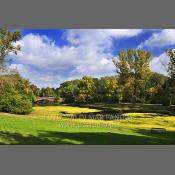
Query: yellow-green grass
[(45, 125), (147, 121), (52, 111)]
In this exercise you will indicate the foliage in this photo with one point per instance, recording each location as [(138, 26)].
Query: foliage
[(90, 90), (47, 92), (16, 96), (155, 88), (133, 70), (35, 89), (170, 88), (171, 64), (86, 90), (7, 40), (108, 89), (15, 103)]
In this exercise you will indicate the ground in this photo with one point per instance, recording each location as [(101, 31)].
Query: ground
[(47, 125)]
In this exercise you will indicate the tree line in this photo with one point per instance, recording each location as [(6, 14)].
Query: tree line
[(134, 81), (108, 90)]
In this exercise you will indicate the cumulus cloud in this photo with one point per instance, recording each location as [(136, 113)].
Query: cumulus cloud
[(162, 38), (40, 78), (159, 64), (96, 37), (88, 53)]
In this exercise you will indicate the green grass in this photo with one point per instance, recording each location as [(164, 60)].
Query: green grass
[(45, 125)]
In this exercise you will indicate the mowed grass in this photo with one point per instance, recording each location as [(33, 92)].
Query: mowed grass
[(45, 125)]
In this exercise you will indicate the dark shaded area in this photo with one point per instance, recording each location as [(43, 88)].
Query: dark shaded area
[(105, 114), (116, 112), (129, 107), (87, 138)]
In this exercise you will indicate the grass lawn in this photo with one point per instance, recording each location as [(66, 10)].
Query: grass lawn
[(45, 125)]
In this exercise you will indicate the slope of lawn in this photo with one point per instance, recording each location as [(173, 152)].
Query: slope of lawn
[(45, 125)]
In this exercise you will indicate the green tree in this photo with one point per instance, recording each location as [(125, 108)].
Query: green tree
[(16, 96), (87, 90), (170, 88), (49, 92), (69, 91), (109, 89), (171, 64), (36, 90), (155, 87), (133, 70), (7, 44)]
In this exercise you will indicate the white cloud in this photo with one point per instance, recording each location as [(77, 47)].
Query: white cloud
[(159, 64), (99, 37), (42, 79), (163, 38), (88, 53)]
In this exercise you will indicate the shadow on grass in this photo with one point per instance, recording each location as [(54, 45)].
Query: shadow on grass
[(129, 107), (89, 138)]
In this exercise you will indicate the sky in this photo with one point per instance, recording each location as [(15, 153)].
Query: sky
[(48, 57)]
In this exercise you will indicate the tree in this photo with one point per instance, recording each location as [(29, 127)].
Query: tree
[(90, 90), (36, 90), (7, 44), (49, 92), (171, 64), (16, 96), (133, 70), (170, 88), (155, 87), (68, 90), (109, 89), (87, 90)]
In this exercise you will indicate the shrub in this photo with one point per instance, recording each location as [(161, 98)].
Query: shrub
[(15, 103), (16, 96)]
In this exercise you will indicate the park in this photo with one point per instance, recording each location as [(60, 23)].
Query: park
[(134, 106)]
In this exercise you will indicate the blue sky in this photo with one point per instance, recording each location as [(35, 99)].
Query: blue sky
[(51, 56)]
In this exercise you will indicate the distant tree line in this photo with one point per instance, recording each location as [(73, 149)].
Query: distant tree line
[(109, 90), (134, 81)]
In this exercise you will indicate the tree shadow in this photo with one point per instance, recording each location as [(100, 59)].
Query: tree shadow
[(129, 107), (89, 138)]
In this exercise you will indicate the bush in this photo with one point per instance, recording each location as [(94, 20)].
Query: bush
[(16, 95), (15, 103)]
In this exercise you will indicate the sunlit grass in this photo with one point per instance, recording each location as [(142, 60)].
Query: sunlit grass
[(147, 121), (53, 112)]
